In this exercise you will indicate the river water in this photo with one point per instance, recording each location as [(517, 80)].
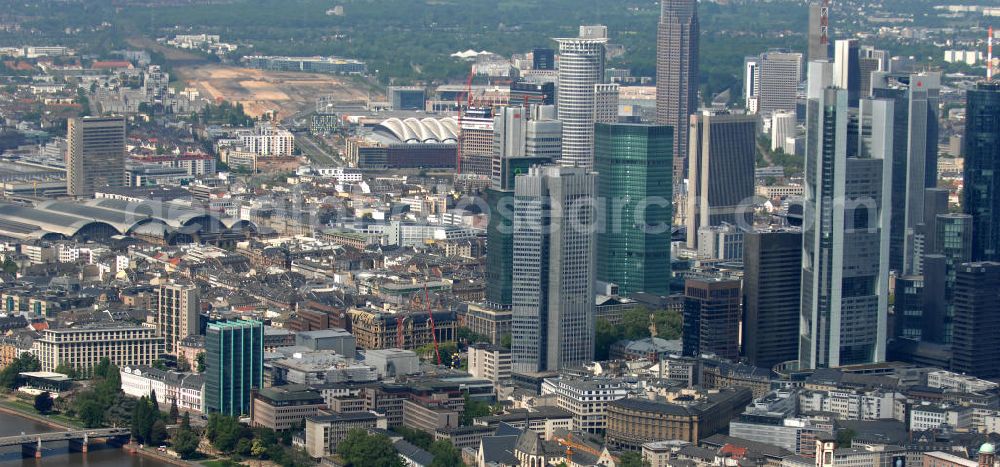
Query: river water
[(57, 454)]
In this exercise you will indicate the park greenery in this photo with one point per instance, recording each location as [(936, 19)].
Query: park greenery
[(10, 377), (229, 436), (636, 324), (361, 449)]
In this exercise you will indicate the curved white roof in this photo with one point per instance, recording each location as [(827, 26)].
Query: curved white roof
[(428, 130)]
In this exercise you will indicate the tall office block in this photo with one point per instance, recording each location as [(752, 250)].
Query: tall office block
[(581, 67), (177, 310), (543, 59), (952, 248), (234, 365), (871, 60), (553, 292), (476, 139), (772, 277), (845, 255), (606, 103), (95, 154), (914, 161), (775, 82), (982, 169), (635, 167), (819, 46), (847, 69), (721, 171), (936, 202), (751, 84), (712, 318), (976, 350), (522, 138), (677, 73)]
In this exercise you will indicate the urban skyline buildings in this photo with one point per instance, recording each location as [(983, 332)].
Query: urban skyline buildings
[(177, 312), (723, 151), (772, 287), (554, 269), (523, 138), (981, 197), (677, 73), (976, 347), (234, 365), (845, 276), (634, 167), (95, 156), (914, 160), (581, 69), (772, 82)]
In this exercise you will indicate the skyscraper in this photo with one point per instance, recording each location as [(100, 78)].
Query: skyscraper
[(976, 349), (177, 307), (635, 165), (982, 169), (677, 73), (845, 256), (522, 138), (776, 81), (234, 365), (721, 171), (606, 103), (819, 45), (581, 67), (914, 161), (870, 61), (772, 277), (847, 69), (712, 318), (553, 292), (477, 141), (95, 154)]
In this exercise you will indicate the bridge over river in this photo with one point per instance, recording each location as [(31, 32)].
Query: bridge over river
[(31, 445)]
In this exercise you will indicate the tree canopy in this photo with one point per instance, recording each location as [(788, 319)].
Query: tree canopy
[(360, 449)]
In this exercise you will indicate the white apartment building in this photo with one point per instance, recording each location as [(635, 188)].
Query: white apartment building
[(587, 399), (489, 362), (853, 405), (957, 382), (268, 141), (185, 389), (83, 347), (932, 417)]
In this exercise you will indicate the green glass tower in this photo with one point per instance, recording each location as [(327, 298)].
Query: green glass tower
[(635, 185), (234, 365)]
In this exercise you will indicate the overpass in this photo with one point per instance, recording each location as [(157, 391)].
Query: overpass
[(31, 445)]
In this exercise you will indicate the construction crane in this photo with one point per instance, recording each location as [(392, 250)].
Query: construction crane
[(824, 21), (458, 103), (571, 445)]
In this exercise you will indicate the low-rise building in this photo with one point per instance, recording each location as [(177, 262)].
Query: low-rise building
[(324, 432), (587, 399), (184, 389), (429, 417), (284, 407), (688, 417)]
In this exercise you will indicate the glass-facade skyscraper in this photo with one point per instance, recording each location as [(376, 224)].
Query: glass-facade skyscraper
[(982, 169), (234, 365), (635, 163)]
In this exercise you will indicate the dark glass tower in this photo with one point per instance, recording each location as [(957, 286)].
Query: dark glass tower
[(234, 365), (976, 350), (982, 169), (772, 275), (635, 166)]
